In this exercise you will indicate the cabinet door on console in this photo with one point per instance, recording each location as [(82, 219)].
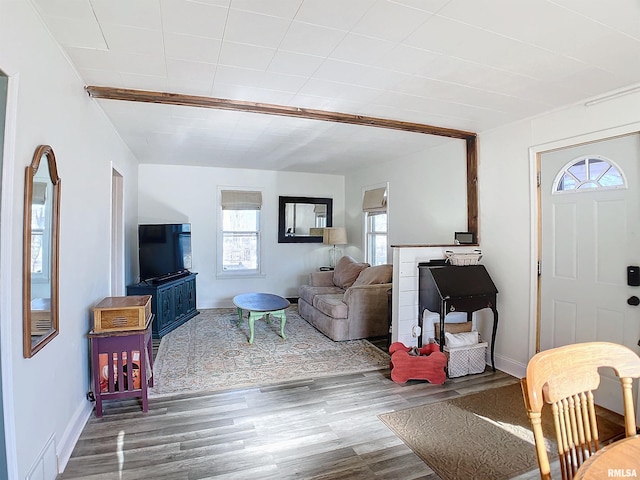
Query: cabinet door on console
[(180, 299), (190, 288), (166, 308)]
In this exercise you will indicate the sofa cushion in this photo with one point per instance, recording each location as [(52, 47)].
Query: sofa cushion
[(308, 293), (375, 275), (331, 305), (346, 271)]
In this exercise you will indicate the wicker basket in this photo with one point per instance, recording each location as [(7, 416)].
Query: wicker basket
[(463, 259), (466, 360)]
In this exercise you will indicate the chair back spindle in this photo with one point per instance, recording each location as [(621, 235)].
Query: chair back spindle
[(564, 378)]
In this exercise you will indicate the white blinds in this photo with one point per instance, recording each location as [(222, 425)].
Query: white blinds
[(241, 200), (375, 201)]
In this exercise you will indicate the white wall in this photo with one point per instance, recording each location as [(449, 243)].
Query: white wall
[(48, 105), (189, 194), (507, 215), (427, 195)]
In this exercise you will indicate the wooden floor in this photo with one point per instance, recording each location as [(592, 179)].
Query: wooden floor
[(324, 428)]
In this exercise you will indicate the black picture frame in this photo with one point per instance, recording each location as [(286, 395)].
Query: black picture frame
[(289, 237)]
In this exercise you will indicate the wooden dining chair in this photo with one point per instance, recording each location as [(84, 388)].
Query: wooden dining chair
[(565, 378)]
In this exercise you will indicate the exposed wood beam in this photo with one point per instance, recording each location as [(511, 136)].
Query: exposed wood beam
[(167, 98), (131, 95)]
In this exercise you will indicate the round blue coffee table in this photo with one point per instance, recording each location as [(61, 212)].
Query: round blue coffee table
[(260, 305)]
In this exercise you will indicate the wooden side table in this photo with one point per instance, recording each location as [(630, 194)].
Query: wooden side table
[(115, 354)]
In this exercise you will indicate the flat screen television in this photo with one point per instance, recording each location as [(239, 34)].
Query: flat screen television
[(164, 250)]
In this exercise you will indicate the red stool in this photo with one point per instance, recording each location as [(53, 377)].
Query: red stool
[(430, 365)]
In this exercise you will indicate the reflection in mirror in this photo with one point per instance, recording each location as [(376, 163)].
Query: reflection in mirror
[(302, 219), (40, 262)]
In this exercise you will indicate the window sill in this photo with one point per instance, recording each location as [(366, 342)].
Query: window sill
[(239, 274)]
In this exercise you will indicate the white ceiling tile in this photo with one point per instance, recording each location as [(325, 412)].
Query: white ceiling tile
[(590, 81), (282, 83), (102, 77), (78, 9), (361, 49), (255, 29), (92, 59), (140, 64), (193, 18), (243, 77), (193, 77), (517, 20), (250, 93), (245, 56), (189, 47), (219, 3), (281, 8), (333, 13), (608, 51), (464, 64), (311, 39), (77, 32), (140, 41), (623, 15), (138, 13), (356, 74), (405, 59), (390, 21), (145, 82), (335, 90), (432, 6), (291, 63), (318, 102)]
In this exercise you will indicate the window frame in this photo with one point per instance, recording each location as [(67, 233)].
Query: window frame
[(566, 169), (370, 235), (367, 223), (221, 272)]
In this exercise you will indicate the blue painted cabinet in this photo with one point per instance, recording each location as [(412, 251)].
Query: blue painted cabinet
[(173, 302)]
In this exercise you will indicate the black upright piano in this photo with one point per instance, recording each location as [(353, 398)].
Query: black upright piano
[(448, 288)]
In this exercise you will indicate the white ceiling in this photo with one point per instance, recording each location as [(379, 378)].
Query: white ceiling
[(465, 64)]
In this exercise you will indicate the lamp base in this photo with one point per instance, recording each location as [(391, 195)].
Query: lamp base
[(333, 257)]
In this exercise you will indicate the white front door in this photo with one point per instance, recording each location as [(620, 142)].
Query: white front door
[(590, 235)]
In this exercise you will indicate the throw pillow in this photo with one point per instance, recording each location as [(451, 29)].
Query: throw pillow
[(346, 271), (460, 339), (375, 275)]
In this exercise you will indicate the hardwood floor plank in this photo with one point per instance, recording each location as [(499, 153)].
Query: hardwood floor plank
[(320, 429)]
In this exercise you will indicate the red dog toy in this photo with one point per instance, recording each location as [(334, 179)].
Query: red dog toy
[(429, 365)]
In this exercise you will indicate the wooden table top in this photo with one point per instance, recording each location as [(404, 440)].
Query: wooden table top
[(619, 459), (260, 302)]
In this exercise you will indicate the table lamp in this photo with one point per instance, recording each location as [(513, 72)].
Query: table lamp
[(334, 236)]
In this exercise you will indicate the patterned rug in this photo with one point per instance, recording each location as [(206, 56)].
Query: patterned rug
[(212, 352), (486, 435)]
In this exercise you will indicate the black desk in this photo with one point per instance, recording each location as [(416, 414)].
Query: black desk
[(446, 288)]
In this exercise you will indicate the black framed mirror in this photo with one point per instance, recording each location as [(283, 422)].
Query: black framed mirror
[(40, 254), (303, 219)]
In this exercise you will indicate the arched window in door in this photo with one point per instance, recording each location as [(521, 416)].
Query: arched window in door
[(589, 172)]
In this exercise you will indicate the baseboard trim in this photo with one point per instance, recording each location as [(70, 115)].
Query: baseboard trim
[(72, 433)]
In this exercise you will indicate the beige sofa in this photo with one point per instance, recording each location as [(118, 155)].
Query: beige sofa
[(349, 302)]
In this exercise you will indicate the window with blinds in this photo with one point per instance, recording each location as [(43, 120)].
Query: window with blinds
[(240, 231), (374, 208)]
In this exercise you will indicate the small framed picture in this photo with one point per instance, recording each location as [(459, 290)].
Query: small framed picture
[(464, 238)]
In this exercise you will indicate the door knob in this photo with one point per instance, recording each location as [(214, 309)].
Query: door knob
[(635, 301)]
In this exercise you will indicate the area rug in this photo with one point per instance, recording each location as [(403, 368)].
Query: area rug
[(212, 352), (484, 435)]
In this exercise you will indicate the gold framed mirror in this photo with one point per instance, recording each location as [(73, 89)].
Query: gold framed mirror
[(40, 252)]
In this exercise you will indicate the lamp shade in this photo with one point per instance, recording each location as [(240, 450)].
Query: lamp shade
[(334, 236)]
